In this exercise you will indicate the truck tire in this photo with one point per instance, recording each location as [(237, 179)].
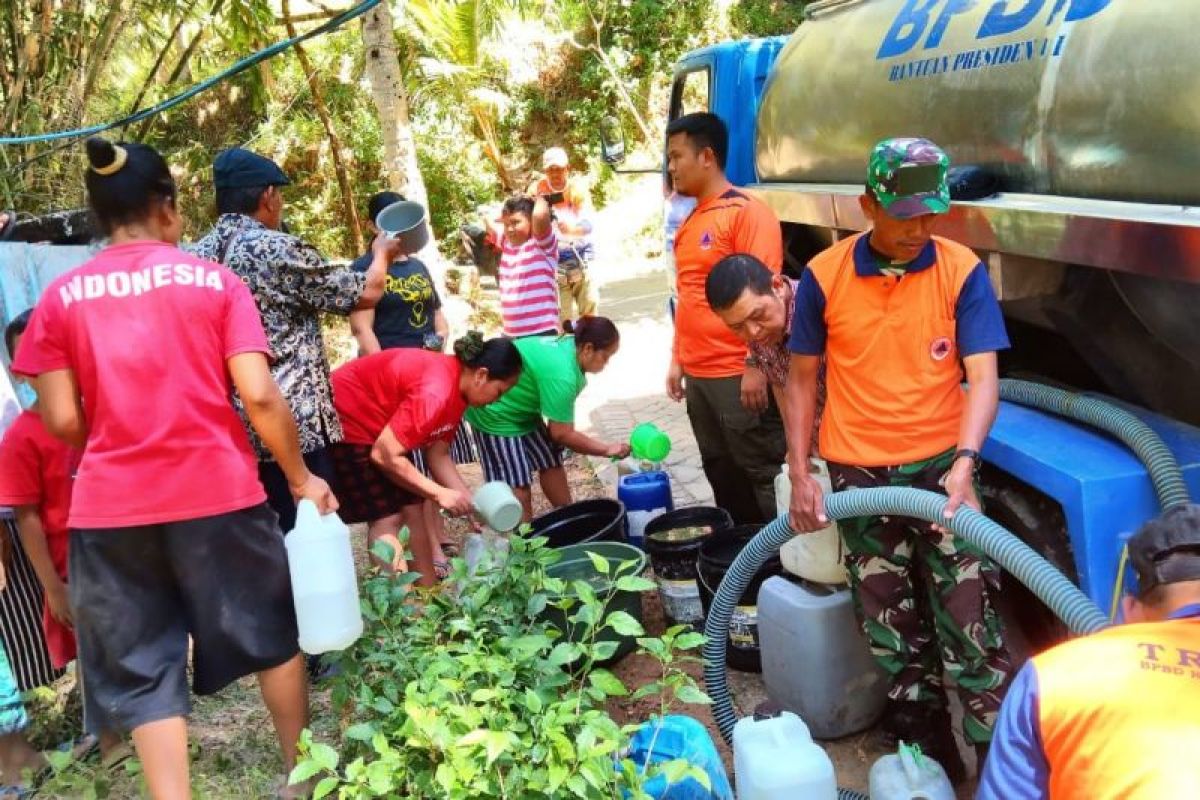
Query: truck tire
[(1039, 522)]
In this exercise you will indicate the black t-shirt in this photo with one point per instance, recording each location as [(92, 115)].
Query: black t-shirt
[(405, 312)]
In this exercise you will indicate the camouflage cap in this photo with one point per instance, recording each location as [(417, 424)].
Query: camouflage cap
[(904, 194)]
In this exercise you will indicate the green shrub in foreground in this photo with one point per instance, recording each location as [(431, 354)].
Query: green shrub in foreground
[(471, 697)]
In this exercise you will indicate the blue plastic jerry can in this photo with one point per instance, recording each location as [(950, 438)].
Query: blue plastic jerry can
[(646, 495)]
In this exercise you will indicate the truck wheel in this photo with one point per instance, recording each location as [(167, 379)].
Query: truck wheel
[(1038, 520)]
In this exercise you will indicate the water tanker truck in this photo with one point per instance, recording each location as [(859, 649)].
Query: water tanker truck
[(1075, 127)]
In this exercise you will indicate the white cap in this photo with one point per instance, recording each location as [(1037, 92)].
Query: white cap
[(554, 157)]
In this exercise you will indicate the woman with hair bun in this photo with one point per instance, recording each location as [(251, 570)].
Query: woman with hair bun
[(526, 430), (134, 356), (396, 402)]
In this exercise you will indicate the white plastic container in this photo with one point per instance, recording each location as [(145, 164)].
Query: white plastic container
[(815, 556), (775, 758), (497, 506), (324, 585), (815, 659), (906, 775)]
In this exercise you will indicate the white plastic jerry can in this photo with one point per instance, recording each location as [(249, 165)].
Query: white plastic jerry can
[(909, 775), (815, 556), (324, 585), (775, 758)]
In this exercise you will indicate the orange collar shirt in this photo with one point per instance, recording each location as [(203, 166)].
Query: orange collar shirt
[(893, 347), (731, 221), (1115, 715)]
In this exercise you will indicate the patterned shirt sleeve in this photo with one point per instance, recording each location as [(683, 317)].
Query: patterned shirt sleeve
[(319, 286)]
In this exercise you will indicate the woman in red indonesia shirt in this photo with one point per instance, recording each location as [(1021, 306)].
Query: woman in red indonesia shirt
[(134, 356), (394, 403)]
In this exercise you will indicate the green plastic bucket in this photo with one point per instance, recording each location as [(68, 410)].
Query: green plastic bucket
[(648, 443), (576, 565)]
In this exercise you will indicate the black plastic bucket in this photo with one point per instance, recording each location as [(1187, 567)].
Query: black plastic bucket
[(599, 520), (714, 559), (673, 540)]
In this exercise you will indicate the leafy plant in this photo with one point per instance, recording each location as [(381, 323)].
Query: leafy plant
[(478, 695)]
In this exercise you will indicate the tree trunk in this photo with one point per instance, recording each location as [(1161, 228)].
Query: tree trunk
[(349, 208), (391, 102), (390, 96)]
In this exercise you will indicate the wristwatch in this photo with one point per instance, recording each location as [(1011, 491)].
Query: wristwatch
[(752, 361), (966, 452)]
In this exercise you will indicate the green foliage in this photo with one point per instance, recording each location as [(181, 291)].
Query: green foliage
[(472, 696), (766, 17)]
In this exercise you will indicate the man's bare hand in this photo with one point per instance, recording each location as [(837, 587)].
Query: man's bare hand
[(754, 390), (675, 382), (959, 484), (806, 512), (318, 491)]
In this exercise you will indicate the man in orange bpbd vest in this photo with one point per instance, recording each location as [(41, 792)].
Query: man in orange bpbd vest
[(1115, 714), (733, 415), (902, 317)]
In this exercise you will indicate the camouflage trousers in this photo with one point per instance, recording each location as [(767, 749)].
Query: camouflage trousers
[(922, 598)]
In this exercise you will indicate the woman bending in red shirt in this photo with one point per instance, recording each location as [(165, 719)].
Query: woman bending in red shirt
[(396, 402)]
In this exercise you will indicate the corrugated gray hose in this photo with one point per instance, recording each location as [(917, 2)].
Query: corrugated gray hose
[(1062, 597), (1145, 443)]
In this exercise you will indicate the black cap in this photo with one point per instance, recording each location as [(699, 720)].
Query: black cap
[(1167, 549), (236, 168)]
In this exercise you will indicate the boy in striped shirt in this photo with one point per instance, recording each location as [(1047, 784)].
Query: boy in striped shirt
[(527, 277)]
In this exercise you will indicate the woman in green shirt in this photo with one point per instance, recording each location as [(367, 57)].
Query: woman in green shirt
[(526, 430)]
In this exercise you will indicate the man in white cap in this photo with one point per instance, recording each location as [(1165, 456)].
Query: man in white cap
[(571, 208)]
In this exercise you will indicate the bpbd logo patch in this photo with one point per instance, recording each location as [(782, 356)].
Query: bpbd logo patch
[(706, 241), (940, 347)]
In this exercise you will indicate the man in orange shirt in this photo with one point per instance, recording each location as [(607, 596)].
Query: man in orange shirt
[(902, 317), (1115, 714), (736, 421)]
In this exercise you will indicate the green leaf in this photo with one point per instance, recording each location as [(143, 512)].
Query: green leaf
[(483, 695), (304, 770), (599, 562), (688, 641), (608, 683), (624, 624), (383, 551), (603, 651), (325, 787), (564, 653), (325, 756), (634, 583), (496, 743), (536, 604), (533, 701), (584, 591), (690, 693), (361, 732)]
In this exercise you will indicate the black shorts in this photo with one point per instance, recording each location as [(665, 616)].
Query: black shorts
[(139, 592), (365, 493)]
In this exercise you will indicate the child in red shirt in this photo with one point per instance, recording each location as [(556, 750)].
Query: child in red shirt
[(35, 481)]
